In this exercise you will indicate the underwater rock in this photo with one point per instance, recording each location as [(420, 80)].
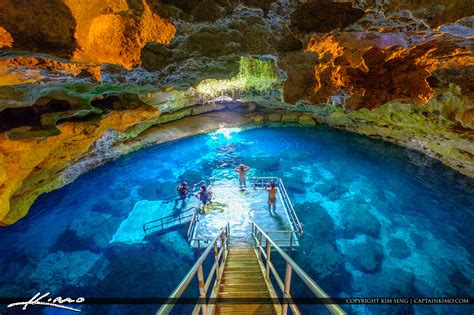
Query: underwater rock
[(326, 261), (163, 190), (356, 219), (324, 230), (398, 248), (331, 190), (460, 281), (417, 239), (99, 228), (295, 185), (81, 269), (177, 243), (68, 241), (366, 255), (120, 193), (393, 281), (147, 262)]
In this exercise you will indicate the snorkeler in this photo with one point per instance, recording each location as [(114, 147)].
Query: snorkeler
[(204, 195), (183, 192), (272, 191), (242, 169)]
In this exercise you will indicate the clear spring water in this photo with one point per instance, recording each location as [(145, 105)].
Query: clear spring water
[(379, 220)]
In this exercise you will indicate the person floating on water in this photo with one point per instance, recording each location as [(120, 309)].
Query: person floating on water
[(183, 192), (272, 191), (242, 169)]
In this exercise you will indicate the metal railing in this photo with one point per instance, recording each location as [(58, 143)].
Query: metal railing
[(166, 221), (260, 182), (259, 237), (190, 234), (220, 257), (291, 211)]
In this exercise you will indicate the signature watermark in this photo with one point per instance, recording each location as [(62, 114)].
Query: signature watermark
[(45, 300)]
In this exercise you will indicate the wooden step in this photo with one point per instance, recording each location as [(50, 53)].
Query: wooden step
[(245, 294), (241, 268), (244, 309), (237, 281), (242, 265), (244, 272), (243, 278), (241, 258), (242, 287)]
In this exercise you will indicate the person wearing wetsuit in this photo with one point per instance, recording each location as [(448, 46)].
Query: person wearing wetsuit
[(242, 169), (183, 191), (204, 195), (272, 191)]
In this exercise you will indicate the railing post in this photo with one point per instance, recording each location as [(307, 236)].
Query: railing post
[(254, 235), (291, 241), (260, 245), (286, 288), (267, 267), (202, 291), (227, 228), (216, 258)]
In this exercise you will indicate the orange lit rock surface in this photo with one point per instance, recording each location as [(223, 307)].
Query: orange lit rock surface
[(28, 167), (88, 31), (375, 68), (6, 39)]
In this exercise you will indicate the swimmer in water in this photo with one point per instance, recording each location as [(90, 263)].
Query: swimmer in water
[(242, 169), (214, 137), (272, 191)]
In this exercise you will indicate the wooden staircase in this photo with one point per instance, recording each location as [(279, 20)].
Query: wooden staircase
[(242, 274), (243, 277)]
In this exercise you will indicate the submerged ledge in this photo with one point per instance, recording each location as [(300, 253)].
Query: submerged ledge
[(133, 133)]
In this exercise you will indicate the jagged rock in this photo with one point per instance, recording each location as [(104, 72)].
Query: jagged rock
[(375, 68), (434, 14), (6, 39), (330, 15), (95, 32)]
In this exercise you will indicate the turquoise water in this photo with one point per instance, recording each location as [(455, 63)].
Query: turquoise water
[(379, 221)]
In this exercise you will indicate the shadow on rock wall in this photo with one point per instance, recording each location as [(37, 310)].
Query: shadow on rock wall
[(40, 26)]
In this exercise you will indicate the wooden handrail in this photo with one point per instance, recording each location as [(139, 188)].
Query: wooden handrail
[(219, 254), (291, 266)]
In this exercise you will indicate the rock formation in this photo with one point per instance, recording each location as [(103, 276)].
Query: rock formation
[(81, 81)]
